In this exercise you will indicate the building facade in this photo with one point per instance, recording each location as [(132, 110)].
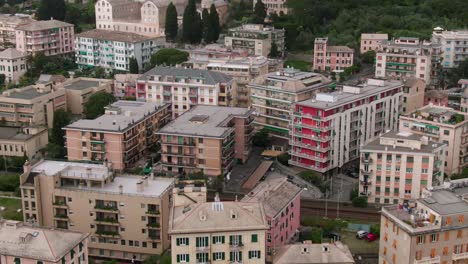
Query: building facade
[(8, 24), (331, 58), (442, 125), (184, 88), (328, 130), (308, 252), (413, 94), (432, 230), (275, 7), (22, 141), (79, 91), (140, 17), (255, 38), (221, 232), (372, 41), (398, 166), (436, 97), (281, 201), (206, 139), (12, 64), (23, 243), (404, 58), (112, 50), (125, 215), (125, 85), (49, 37), (273, 94), (121, 136), (454, 46)]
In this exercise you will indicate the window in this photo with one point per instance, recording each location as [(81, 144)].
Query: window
[(433, 237), (202, 257), (235, 256), (420, 240), (447, 236), (218, 256), (448, 221), (254, 254), (235, 240), (182, 241), (461, 219), (201, 242), (425, 160), (457, 249), (17, 261), (181, 258), (459, 234), (410, 159), (424, 171), (218, 239), (200, 140), (446, 132), (254, 238)]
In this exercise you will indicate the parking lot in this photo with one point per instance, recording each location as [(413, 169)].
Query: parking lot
[(359, 246)]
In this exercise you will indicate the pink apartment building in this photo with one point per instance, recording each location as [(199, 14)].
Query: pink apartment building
[(281, 201), (51, 37), (371, 41), (331, 58), (125, 85)]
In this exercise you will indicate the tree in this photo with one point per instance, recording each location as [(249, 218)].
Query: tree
[(91, 12), (171, 26), (191, 24), (260, 12), (461, 72), (133, 67), (315, 235), (214, 22), (156, 259), (62, 118), (48, 9), (261, 138), (168, 57), (360, 201), (207, 27), (283, 159), (2, 79), (96, 103), (353, 194), (368, 57), (274, 52), (375, 229)]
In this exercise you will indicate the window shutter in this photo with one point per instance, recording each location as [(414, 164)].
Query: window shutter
[(213, 240), (240, 256), (187, 257), (230, 240), (250, 254), (206, 241), (259, 254), (240, 239), (178, 258), (223, 254), (187, 241), (177, 241), (222, 239), (197, 242), (214, 256), (231, 256)]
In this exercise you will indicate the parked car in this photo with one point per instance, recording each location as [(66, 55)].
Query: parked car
[(334, 236), (290, 177), (361, 234), (371, 237)]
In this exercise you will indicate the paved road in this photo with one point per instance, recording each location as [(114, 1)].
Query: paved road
[(240, 172), (341, 187)]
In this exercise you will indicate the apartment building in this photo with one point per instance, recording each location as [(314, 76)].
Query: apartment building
[(121, 136), (79, 91), (436, 97), (273, 94), (413, 94), (112, 50), (12, 64), (184, 88), (220, 232), (275, 7), (454, 46), (187, 192), (8, 24), (21, 243), (22, 141), (331, 58), (125, 85), (396, 167), (434, 229), (49, 37), (407, 57), (125, 215), (443, 125), (34, 104), (328, 130), (372, 41), (255, 38), (206, 139), (307, 252), (281, 201), (140, 17)]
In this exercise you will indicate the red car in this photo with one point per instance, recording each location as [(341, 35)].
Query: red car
[(371, 237)]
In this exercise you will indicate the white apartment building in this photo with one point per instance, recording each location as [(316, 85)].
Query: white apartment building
[(112, 50), (218, 232), (328, 130), (12, 64), (454, 46), (255, 38), (396, 167), (406, 57), (183, 88), (141, 17), (8, 24)]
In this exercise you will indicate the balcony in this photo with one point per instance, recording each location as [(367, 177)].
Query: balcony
[(365, 194), (366, 160), (107, 233), (236, 245), (316, 128), (106, 220), (428, 260), (59, 204), (309, 167), (179, 164), (61, 216), (366, 183), (317, 147), (459, 256), (307, 156), (366, 172), (153, 225), (104, 207), (153, 212)]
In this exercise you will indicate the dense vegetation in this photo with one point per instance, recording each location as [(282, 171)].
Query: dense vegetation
[(96, 103), (169, 57)]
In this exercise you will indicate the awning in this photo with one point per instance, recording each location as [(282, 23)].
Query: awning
[(432, 127), (419, 125)]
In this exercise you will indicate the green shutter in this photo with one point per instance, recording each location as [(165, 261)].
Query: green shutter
[(250, 254), (230, 240), (231, 256), (254, 238), (187, 240), (17, 261), (222, 239), (206, 241), (81, 246), (72, 253), (213, 240), (178, 258), (177, 241), (259, 254), (222, 253), (63, 260), (240, 256), (187, 257), (214, 254), (40, 262), (197, 242), (240, 239)]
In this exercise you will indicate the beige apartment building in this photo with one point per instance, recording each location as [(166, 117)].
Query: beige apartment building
[(121, 136), (218, 232), (23, 141), (80, 89), (183, 88), (34, 104), (125, 215), (206, 139), (372, 41), (12, 64), (434, 229), (8, 25), (273, 94), (398, 166), (413, 95), (256, 39), (27, 244), (443, 125)]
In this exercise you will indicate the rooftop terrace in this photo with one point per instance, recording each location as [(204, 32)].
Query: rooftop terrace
[(438, 114)]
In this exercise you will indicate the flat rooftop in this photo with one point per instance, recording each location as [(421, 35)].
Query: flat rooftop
[(119, 36), (204, 121), (217, 217), (81, 84), (36, 243), (207, 77), (375, 145), (445, 202), (438, 114), (14, 134), (338, 98), (119, 116), (73, 169), (26, 93)]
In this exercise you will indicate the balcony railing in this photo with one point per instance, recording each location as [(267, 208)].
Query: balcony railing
[(107, 233), (366, 183), (365, 194), (153, 225), (459, 256), (428, 260), (366, 160), (307, 156), (107, 219), (366, 172), (62, 216), (106, 207), (153, 212)]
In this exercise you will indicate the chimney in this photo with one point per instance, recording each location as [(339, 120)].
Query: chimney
[(121, 189), (139, 186)]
